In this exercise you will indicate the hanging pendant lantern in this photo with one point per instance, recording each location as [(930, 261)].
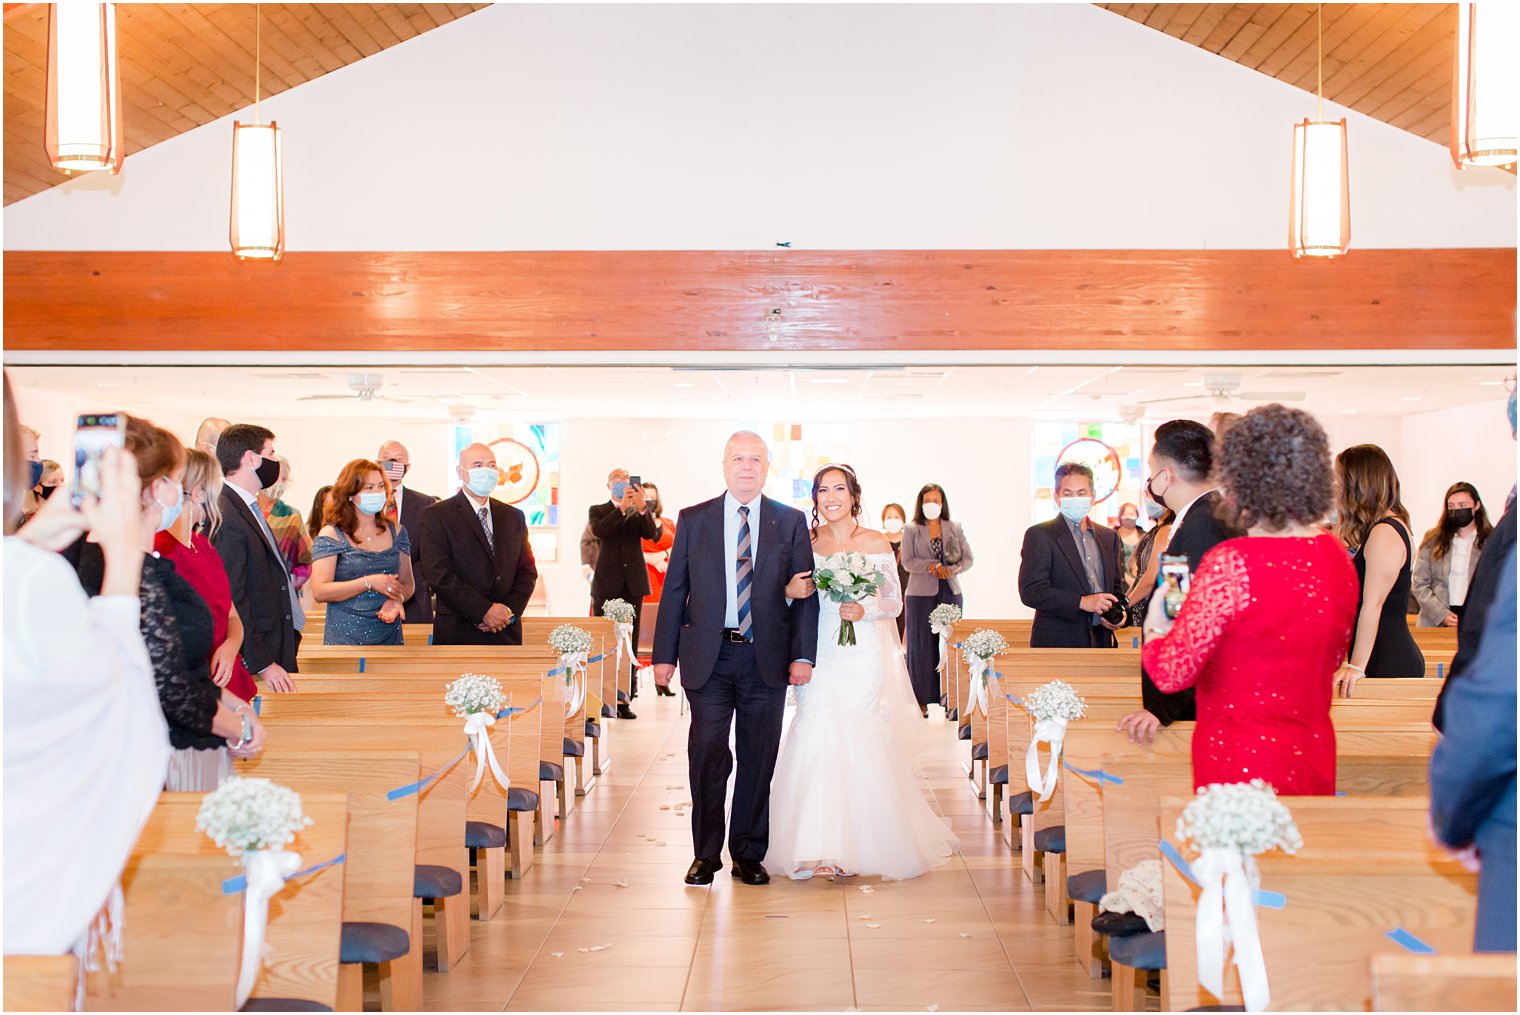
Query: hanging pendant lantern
[(258, 192), (258, 182), (84, 127), (1319, 223), (1485, 96)]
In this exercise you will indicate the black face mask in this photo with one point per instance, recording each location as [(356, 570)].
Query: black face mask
[(47, 491), (1460, 518), (268, 472)]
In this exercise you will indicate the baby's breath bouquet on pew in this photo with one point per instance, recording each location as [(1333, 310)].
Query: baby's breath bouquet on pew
[(981, 648), (621, 613), (477, 698), (1230, 823), (574, 647), (1051, 706), (254, 820), (848, 578)]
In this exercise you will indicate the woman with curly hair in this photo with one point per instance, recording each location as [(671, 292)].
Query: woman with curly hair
[(1374, 525), (1269, 615)]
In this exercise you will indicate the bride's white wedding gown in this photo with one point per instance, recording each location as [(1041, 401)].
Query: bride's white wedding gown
[(846, 791)]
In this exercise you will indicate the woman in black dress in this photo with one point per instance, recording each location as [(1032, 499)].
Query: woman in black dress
[(1374, 525)]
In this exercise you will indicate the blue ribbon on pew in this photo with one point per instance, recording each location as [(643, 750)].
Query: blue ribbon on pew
[(422, 784), (1440, 670), (361, 664), (1134, 642), (1263, 899), (234, 885), (1015, 699), (1095, 773), (559, 671), (506, 712), (258, 701), (1408, 941)]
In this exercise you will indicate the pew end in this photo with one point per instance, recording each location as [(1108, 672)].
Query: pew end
[(1443, 982)]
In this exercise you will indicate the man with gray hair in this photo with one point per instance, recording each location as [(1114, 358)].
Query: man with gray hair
[(620, 525)]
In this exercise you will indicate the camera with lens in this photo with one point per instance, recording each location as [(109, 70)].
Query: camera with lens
[(1118, 614)]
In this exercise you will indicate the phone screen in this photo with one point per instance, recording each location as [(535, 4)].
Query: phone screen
[(1175, 582), (93, 433)]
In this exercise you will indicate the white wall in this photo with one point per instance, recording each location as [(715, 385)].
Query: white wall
[(1471, 444), (735, 126)]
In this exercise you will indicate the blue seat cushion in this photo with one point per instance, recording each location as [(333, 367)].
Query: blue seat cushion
[(1146, 950), (999, 776), (574, 748), (282, 1004), (592, 729), (372, 942), (964, 732), (484, 835), (548, 771), (979, 752), (608, 713), (433, 882), (1050, 840), (519, 799), (1089, 886), (1023, 803)]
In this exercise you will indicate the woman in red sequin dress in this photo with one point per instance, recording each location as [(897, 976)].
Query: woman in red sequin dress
[(1269, 615)]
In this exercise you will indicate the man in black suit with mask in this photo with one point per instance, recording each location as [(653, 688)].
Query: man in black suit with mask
[(1069, 570), (397, 462), (1181, 477), (620, 525), (262, 591)]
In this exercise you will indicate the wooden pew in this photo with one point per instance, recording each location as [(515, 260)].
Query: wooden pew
[(521, 747), (1367, 867), (40, 982), (440, 807), (182, 941), (1404, 982), (382, 852)]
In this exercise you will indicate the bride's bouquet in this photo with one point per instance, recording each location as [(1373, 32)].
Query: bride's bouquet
[(848, 578)]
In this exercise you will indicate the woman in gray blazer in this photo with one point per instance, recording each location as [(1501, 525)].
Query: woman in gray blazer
[(1449, 556), (934, 553)]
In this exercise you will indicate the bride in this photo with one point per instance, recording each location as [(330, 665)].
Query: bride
[(845, 798)]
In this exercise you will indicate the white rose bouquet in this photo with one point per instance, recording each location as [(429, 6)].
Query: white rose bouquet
[(254, 820), (1231, 823), (473, 692), (1051, 706), (848, 578)]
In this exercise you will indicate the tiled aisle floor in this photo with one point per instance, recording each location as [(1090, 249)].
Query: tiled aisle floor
[(788, 945)]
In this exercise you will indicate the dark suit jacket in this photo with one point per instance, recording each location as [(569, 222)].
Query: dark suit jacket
[(695, 599), (419, 608), (1481, 591), (260, 586), (467, 578), (1052, 582), (620, 570), (1199, 533)]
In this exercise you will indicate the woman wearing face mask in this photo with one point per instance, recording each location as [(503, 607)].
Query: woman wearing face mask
[(52, 475), (30, 447), (289, 530), (894, 521), (657, 561), (177, 627), (1129, 538), (934, 553), (187, 543), (1449, 556), (361, 561)]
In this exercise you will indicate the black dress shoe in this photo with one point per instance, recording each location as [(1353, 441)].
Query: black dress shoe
[(1119, 924), (701, 871), (624, 712), (750, 872)]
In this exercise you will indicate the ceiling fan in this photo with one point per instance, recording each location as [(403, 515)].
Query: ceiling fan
[(1224, 387), (360, 386)]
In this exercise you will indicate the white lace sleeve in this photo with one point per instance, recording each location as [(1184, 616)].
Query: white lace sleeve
[(887, 603)]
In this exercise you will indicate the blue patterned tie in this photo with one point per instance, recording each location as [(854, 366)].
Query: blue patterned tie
[(744, 574)]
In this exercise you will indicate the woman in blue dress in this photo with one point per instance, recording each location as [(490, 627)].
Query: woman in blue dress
[(361, 562)]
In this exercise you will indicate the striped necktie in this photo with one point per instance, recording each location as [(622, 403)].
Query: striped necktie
[(485, 523), (744, 575)]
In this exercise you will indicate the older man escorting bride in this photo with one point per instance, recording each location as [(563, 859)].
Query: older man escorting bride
[(845, 795)]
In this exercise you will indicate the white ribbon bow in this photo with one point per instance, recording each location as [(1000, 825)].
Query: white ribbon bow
[(265, 871), (574, 666), (476, 725), (1227, 914), (944, 631), (977, 667), (1048, 731)]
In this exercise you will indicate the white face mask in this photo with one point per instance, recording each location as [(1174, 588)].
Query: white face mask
[(893, 525), (932, 511), (1075, 508)]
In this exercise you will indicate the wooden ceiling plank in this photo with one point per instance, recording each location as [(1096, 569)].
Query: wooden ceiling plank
[(144, 46), (279, 59), (1405, 24), (316, 21), (380, 21), (1417, 56), (1342, 42), (460, 10), (1209, 18), (1436, 125), (1184, 19), (1415, 81), (1233, 20), (1161, 15), (310, 56), (1137, 13), (1257, 25), (1303, 37), (1289, 22), (343, 20), (213, 47)]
